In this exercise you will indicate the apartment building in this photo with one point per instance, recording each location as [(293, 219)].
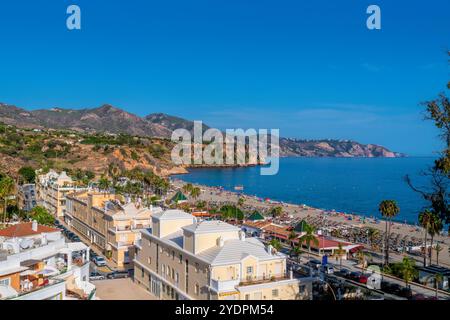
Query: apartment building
[(181, 258), (37, 264), (26, 196), (109, 222), (51, 191)]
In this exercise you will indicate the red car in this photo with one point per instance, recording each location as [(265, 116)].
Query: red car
[(363, 279)]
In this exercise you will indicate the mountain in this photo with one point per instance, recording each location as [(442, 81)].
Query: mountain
[(114, 120)]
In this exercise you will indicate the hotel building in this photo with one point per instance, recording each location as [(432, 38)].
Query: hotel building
[(108, 223), (180, 258), (51, 191), (37, 264)]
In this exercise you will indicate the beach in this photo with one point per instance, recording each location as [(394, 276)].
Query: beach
[(321, 218)]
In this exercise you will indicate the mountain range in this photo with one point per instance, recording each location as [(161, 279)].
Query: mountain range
[(110, 119)]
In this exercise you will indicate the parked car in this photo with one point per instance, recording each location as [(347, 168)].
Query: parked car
[(342, 273), (355, 275), (99, 261), (328, 269), (363, 279), (405, 293), (118, 275), (96, 276), (314, 263)]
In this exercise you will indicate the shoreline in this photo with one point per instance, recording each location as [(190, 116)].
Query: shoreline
[(218, 195)]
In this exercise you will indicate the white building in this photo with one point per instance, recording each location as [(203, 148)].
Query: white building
[(37, 264)]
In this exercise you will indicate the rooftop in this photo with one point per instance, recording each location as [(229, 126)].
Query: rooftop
[(210, 227), (25, 229), (173, 214)]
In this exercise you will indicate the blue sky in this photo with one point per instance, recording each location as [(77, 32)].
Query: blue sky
[(310, 68)]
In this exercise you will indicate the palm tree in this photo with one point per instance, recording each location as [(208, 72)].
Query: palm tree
[(408, 270), (388, 209), (296, 251), (438, 278), (240, 202), (277, 211), (7, 187), (187, 188), (195, 192), (103, 184), (372, 233), (292, 236), (339, 252), (309, 237), (435, 227), (425, 218), (276, 244), (438, 248), (361, 256)]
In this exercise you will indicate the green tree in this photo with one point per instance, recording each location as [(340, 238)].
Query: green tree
[(27, 174), (339, 252), (104, 184), (435, 227), (41, 215), (438, 248), (309, 237), (276, 211), (389, 210), (276, 244), (372, 234), (425, 218), (195, 192), (7, 188), (408, 270)]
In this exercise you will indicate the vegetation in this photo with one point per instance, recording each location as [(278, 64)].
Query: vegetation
[(41, 215), (7, 188), (309, 237), (408, 270), (231, 212), (27, 174), (388, 209)]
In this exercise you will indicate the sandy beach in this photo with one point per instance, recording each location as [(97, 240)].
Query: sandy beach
[(409, 233)]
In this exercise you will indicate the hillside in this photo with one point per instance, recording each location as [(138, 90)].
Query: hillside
[(109, 119)]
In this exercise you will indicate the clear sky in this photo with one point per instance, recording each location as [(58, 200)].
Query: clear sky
[(310, 68)]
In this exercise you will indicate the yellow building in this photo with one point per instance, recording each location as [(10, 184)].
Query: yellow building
[(51, 191), (108, 223), (180, 258)]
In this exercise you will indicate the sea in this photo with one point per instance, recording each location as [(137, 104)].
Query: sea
[(350, 185)]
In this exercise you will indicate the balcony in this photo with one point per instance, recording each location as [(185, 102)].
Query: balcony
[(224, 285), (249, 281)]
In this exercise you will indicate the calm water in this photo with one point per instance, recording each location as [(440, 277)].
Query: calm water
[(353, 185)]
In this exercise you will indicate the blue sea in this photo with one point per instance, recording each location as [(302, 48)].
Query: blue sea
[(352, 185)]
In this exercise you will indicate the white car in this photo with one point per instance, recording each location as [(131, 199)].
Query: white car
[(99, 261)]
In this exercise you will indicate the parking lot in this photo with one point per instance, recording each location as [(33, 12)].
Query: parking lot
[(121, 289)]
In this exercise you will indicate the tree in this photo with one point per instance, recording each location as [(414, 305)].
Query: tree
[(372, 233), (276, 211), (7, 187), (361, 255), (339, 252), (41, 215), (309, 237), (195, 192), (425, 218), (104, 183), (187, 188), (388, 209), (408, 270), (438, 248), (437, 195), (437, 279), (276, 244), (435, 227), (297, 251), (27, 174), (292, 236), (241, 201)]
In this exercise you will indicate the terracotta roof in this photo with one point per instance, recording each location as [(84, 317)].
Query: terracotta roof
[(327, 243), (24, 229), (256, 224), (278, 231)]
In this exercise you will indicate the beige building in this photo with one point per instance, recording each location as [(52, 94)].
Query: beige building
[(180, 258), (51, 191), (108, 223)]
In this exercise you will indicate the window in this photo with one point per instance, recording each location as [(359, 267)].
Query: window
[(143, 274), (249, 270), (173, 273), (181, 258), (5, 282), (149, 243), (187, 266), (173, 255), (274, 293), (163, 269), (197, 289), (149, 260), (177, 277)]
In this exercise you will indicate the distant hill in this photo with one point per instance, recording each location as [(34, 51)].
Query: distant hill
[(110, 119)]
